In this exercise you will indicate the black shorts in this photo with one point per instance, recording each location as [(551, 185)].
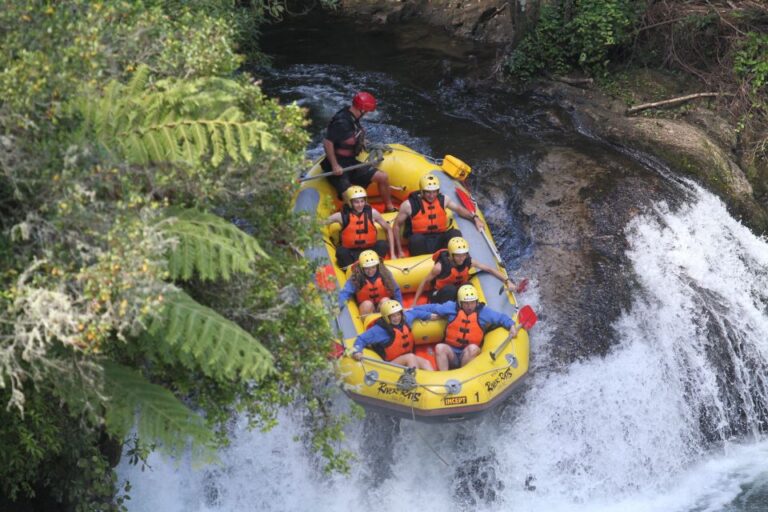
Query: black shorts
[(362, 176)]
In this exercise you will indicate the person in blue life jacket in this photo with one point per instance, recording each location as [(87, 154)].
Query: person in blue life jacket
[(358, 228), (344, 141), (371, 284), (451, 270), (391, 336), (468, 321)]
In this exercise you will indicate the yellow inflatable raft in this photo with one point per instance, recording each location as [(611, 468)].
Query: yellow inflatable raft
[(374, 383)]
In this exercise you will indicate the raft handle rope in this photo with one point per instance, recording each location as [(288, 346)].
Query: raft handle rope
[(406, 270), (449, 385), (386, 148)]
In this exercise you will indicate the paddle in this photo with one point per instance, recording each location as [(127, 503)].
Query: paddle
[(526, 319), (345, 169), (469, 203)]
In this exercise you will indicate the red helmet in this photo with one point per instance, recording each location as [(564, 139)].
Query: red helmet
[(364, 102)]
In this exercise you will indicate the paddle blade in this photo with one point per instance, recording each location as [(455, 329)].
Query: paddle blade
[(466, 200), (325, 277), (522, 285), (337, 350), (527, 317)]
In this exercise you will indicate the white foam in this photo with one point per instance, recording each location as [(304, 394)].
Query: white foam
[(620, 432)]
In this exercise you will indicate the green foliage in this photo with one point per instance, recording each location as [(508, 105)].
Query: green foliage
[(209, 246), (44, 457), (200, 338), (751, 62), (161, 416), (54, 48), (176, 122), (574, 34), (125, 145)]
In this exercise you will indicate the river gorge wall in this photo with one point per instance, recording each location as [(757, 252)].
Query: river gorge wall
[(699, 143)]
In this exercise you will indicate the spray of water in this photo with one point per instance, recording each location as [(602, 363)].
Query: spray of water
[(669, 420)]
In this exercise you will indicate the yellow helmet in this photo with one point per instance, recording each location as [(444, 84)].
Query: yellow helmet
[(457, 245), (388, 308), (467, 293), (368, 258), (429, 182), (354, 192)]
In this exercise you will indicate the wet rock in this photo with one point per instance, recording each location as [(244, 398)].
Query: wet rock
[(380, 433), (476, 482), (491, 21), (688, 149), (576, 210)]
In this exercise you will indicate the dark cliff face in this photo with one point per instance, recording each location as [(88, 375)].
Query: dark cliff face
[(489, 21), (698, 146)]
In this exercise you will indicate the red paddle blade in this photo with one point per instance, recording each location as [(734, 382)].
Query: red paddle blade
[(466, 200), (527, 317), (522, 285)]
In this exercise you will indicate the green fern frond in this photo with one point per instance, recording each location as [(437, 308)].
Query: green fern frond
[(158, 415), (174, 122), (217, 143), (205, 340), (139, 81), (210, 246)]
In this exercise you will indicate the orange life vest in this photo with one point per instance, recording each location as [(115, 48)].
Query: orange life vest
[(428, 217), (372, 290), (465, 329), (400, 340), (357, 230), (450, 273)]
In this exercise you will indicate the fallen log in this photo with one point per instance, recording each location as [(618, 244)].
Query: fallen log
[(673, 101)]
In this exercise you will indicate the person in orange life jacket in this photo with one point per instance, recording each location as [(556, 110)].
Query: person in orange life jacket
[(451, 270), (371, 284), (358, 231), (344, 140), (425, 218), (391, 336), (468, 321)]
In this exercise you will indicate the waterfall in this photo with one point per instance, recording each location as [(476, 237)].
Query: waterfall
[(669, 420)]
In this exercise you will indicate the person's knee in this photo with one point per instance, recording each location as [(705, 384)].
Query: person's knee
[(381, 177), (471, 351), (366, 307), (442, 349)]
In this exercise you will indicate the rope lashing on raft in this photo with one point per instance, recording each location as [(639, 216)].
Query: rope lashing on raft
[(406, 270), (373, 377), (386, 148)]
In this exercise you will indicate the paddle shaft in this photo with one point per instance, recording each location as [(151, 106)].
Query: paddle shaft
[(381, 361), (504, 344), (346, 169), (470, 205)]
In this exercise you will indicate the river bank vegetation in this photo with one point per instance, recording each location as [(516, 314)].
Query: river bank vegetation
[(710, 50), (152, 278)]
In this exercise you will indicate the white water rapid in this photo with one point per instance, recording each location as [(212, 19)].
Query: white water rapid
[(667, 421)]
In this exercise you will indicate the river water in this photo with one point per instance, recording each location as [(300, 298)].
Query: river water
[(671, 418)]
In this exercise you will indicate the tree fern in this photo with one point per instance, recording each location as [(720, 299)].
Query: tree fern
[(158, 415), (200, 338), (173, 122), (209, 246)]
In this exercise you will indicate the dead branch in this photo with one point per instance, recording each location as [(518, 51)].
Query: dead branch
[(673, 101), (570, 80)]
